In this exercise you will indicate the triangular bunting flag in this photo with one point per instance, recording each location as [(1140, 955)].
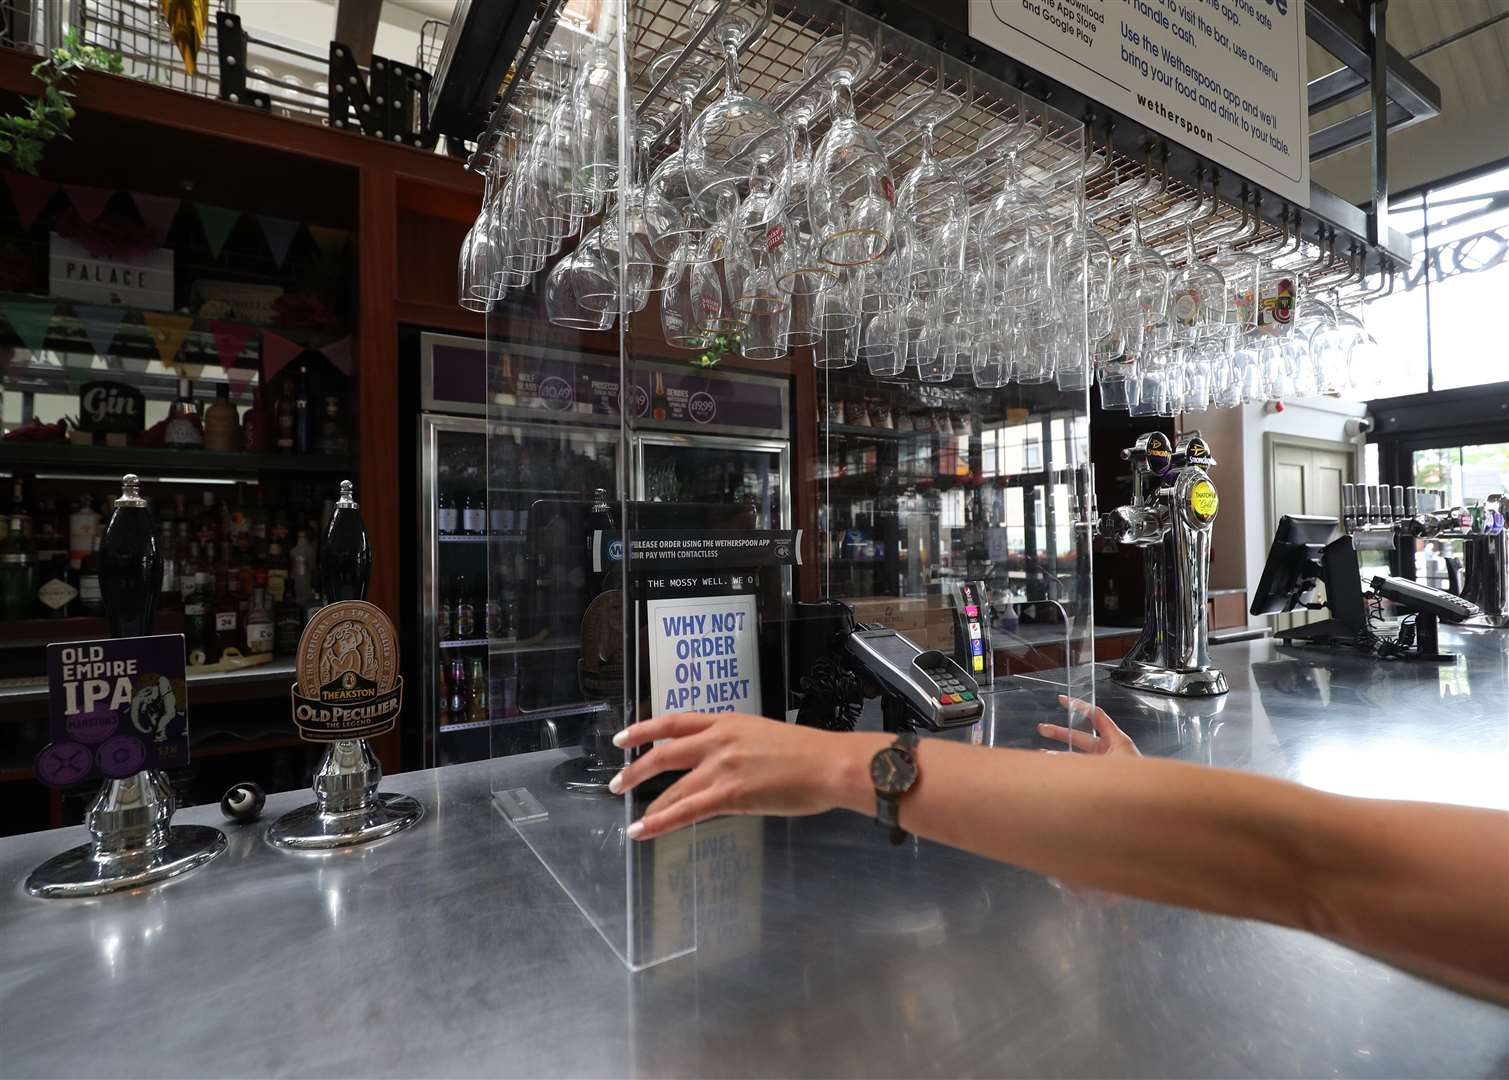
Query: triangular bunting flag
[(277, 353), (239, 378), (75, 360), (279, 233), (157, 213), (89, 201), (218, 222), (168, 331), (100, 323), (30, 194), (230, 340), (189, 371), (339, 354), (136, 365), (30, 322), (329, 240)]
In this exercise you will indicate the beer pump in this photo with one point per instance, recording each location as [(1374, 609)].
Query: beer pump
[(1381, 517), (1173, 507), (134, 842), (347, 691)]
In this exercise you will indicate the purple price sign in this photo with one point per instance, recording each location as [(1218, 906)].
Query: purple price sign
[(115, 707)]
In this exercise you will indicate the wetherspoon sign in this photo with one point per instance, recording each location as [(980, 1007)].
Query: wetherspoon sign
[(1225, 78)]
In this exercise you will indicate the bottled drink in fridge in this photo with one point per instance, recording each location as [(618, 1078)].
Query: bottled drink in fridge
[(345, 556), (449, 523), (464, 614), (460, 698), (477, 706)]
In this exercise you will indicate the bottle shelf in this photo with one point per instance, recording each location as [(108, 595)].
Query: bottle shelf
[(463, 643), (582, 708), (147, 460), (502, 537), (506, 647)]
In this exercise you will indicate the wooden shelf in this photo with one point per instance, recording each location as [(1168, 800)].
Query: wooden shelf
[(142, 459)]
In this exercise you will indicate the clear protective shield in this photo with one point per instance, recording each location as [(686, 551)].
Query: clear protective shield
[(789, 316)]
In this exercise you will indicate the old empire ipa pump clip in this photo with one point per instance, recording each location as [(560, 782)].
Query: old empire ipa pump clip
[(118, 708), (1173, 507), (348, 691)]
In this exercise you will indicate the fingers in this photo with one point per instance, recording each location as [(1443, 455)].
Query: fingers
[(1079, 740), (1111, 736), (687, 811), (669, 726), (689, 784), (680, 753)]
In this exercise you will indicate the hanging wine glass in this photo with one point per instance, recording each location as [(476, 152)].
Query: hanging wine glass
[(932, 199), (668, 199)]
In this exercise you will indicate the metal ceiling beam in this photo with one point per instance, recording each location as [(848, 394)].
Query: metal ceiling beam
[(1353, 131), (1343, 32)]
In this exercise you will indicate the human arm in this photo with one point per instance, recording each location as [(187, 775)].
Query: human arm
[(1422, 885)]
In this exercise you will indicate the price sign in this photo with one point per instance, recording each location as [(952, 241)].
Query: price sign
[(115, 707)]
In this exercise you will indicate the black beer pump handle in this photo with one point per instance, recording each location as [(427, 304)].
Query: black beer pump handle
[(345, 556), (130, 563)]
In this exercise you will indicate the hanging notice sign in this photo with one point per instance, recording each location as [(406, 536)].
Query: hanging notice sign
[(1225, 78), (670, 550), (115, 707), (704, 654)]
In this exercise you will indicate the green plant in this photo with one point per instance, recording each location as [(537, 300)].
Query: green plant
[(719, 346), (24, 136)]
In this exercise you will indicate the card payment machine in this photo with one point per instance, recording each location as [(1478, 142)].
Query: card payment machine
[(922, 687), (972, 649)]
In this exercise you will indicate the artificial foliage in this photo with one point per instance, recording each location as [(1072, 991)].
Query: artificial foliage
[(718, 346), (24, 136)]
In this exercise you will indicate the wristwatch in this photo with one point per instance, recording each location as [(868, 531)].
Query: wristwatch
[(893, 771)]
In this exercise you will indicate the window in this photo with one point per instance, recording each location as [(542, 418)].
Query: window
[(1468, 473), (1442, 326)]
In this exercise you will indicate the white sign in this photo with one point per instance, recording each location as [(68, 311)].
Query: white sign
[(704, 655), (142, 281), (1225, 78)]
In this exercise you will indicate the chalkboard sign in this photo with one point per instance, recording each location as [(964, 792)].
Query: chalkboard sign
[(111, 408)]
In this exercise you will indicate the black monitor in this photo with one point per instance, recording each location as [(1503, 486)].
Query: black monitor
[(1294, 563)]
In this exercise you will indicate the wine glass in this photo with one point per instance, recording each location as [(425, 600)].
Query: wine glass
[(932, 199), (852, 193)]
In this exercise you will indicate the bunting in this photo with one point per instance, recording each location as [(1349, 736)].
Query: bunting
[(339, 354), (168, 331), (329, 240), (279, 233), (217, 222), (189, 371), (30, 196), (277, 353), (90, 202), (230, 340), (157, 213), (100, 324), (239, 378), (30, 321)]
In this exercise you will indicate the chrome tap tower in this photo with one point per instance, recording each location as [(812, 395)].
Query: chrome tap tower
[(1393, 518), (1173, 506)]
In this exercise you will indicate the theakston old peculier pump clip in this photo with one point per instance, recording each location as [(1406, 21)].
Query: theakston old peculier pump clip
[(134, 842), (348, 691)]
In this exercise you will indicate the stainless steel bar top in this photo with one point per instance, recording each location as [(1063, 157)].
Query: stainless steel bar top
[(450, 951)]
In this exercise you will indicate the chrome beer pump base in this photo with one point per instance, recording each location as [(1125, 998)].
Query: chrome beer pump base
[(134, 843), (1203, 682), (348, 809)]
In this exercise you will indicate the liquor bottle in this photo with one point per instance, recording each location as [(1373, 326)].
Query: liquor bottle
[(449, 519), (583, 391), (345, 556), (227, 614), (303, 414), (474, 513), (284, 418), (20, 508), (83, 523), (18, 586), (222, 424), (59, 588), (659, 406), (477, 706), (91, 599), (130, 564), (443, 699), (277, 568), (464, 613), (184, 430), (171, 559), (199, 616), (332, 437), (301, 568), (459, 695), (259, 634), (288, 624), (208, 526)]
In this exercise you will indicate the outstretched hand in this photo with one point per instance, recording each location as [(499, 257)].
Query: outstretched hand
[(1107, 738)]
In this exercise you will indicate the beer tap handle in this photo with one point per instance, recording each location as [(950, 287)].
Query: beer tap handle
[(1348, 507), (345, 556), (130, 563), (1397, 501)]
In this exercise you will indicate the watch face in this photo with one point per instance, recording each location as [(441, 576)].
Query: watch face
[(892, 771)]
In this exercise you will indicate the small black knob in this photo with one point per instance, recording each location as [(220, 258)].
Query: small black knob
[(243, 802)]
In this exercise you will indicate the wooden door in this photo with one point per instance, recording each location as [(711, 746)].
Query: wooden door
[(1307, 479)]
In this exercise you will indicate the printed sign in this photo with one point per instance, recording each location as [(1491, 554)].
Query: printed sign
[(144, 281), (1225, 78), (704, 654), (348, 683), (113, 407), (115, 707), (654, 550)]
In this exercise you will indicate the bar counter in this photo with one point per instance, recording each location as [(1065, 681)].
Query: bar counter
[(451, 951)]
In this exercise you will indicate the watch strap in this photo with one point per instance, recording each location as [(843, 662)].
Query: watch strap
[(887, 806)]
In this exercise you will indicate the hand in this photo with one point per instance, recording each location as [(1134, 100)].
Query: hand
[(743, 765), (1106, 739)]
